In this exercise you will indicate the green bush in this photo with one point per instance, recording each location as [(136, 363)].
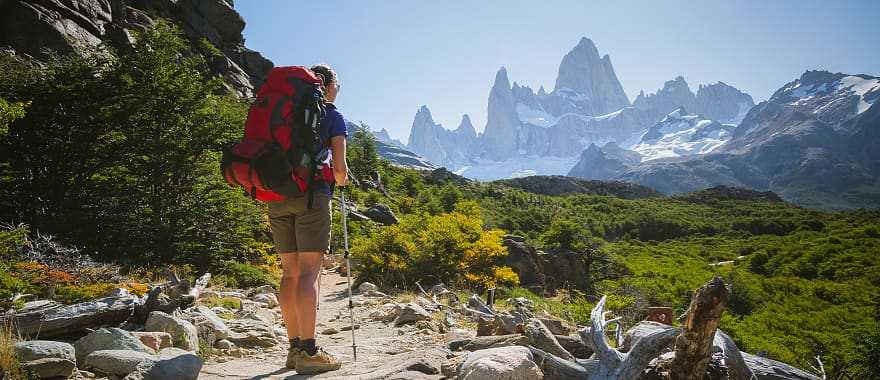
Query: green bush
[(241, 275)]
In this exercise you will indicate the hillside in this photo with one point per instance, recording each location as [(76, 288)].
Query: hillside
[(560, 185)]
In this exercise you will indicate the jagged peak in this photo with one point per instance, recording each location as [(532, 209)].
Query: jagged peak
[(466, 125), (501, 79), (585, 44), (542, 91)]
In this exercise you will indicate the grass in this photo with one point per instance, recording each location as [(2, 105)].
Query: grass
[(230, 303), (10, 367)]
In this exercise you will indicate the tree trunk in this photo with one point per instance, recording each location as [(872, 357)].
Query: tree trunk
[(72, 320), (694, 346)]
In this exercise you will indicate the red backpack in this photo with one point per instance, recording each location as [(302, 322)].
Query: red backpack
[(281, 154)]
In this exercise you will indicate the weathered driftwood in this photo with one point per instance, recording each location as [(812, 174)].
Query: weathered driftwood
[(72, 320), (694, 346), (614, 364), (170, 296)]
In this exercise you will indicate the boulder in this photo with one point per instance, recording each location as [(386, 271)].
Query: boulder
[(249, 333), (541, 337), (183, 333), (39, 349), (46, 359), (156, 340), (386, 313), (639, 331), (513, 363), (115, 362), (381, 213), (524, 260), (109, 338), (410, 313), (173, 363), (366, 287)]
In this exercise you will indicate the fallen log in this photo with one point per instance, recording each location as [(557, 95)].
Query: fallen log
[(694, 346), (72, 320)]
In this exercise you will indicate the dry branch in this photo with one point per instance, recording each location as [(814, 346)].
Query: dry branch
[(693, 347)]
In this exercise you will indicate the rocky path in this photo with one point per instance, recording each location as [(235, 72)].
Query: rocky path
[(381, 347)]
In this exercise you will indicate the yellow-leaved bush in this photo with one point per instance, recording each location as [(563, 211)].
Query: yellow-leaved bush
[(452, 248)]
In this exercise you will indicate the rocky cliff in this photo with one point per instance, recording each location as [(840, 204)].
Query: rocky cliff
[(718, 101), (439, 145), (36, 27)]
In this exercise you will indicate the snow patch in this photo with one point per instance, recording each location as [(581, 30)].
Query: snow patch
[(860, 86), (535, 117)]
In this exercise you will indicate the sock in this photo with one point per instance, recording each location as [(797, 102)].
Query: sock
[(308, 345), (295, 342)]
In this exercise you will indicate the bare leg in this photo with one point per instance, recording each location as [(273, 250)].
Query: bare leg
[(288, 294), (307, 292)]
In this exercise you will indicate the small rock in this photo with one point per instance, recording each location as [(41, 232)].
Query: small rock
[(521, 301), (280, 332), (210, 327), (156, 340), (381, 213), (265, 289), (183, 333), (411, 312), (267, 298), (330, 331), (366, 287), (117, 292), (173, 363), (109, 338), (348, 327), (224, 344), (115, 362), (514, 362)]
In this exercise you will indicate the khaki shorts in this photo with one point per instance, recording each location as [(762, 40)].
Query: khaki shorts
[(296, 228)]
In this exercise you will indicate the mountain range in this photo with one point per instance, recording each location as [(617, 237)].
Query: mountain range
[(811, 142)]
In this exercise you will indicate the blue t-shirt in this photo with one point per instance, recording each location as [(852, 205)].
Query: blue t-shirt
[(332, 125)]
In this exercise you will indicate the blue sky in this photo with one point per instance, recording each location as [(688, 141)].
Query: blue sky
[(394, 56)]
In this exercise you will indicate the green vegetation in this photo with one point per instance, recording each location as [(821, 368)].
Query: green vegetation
[(118, 153)]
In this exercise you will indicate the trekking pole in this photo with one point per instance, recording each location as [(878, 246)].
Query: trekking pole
[(348, 268)]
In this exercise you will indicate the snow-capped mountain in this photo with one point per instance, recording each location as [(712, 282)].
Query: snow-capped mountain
[(530, 132), (814, 142)]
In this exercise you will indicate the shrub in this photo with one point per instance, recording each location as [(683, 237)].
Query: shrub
[(452, 248), (241, 275)]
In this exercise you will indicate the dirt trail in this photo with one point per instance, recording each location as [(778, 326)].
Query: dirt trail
[(379, 344)]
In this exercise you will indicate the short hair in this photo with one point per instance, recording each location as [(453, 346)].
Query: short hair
[(324, 72)]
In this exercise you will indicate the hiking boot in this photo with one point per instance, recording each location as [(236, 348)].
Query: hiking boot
[(321, 361), (293, 353)]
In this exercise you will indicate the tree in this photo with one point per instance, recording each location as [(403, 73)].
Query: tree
[(119, 154), (363, 157)]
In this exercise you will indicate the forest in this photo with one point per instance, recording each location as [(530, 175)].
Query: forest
[(116, 157)]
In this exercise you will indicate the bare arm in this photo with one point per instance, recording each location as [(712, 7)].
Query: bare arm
[(340, 165)]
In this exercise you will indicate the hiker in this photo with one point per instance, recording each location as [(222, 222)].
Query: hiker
[(302, 236)]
